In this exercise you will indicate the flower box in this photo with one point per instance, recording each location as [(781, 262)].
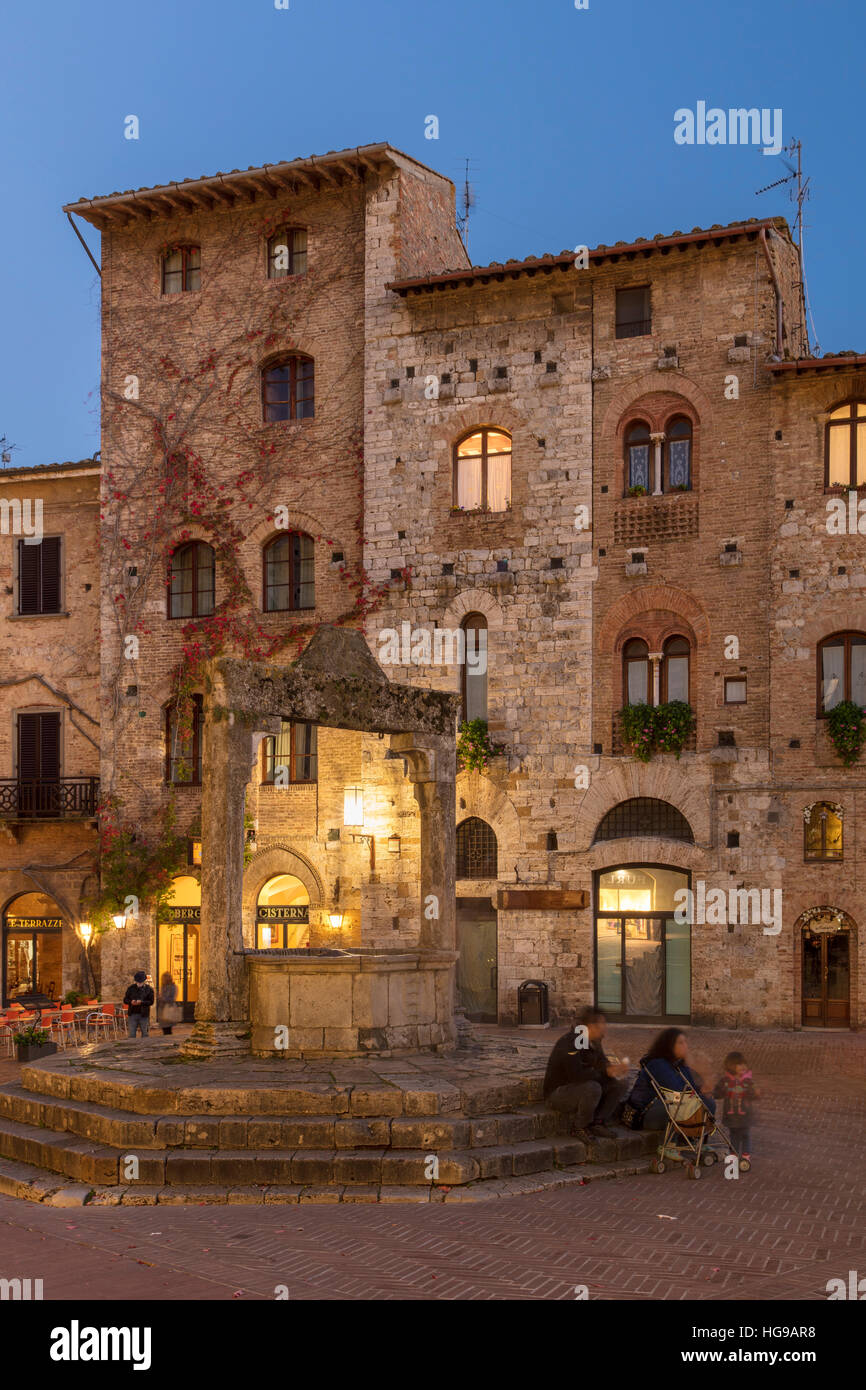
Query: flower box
[(30, 1052)]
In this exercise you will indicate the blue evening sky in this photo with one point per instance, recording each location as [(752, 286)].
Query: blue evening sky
[(566, 115)]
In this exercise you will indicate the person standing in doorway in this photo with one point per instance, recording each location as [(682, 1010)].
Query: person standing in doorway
[(139, 998), (168, 1011)]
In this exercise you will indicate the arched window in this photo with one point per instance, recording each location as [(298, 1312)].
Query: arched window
[(644, 815), (191, 587), (845, 446), (476, 849), (181, 270), (282, 914), (473, 674), (288, 563), (637, 456), (288, 389), (183, 746), (482, 471), (678, 455), (822, 825), (636, 672), (675, 670), (841, 670), (287, 253)]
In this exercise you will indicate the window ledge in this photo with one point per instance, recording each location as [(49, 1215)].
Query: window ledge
[(32, 617)]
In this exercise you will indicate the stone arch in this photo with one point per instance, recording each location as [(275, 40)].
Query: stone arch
[(473, 601), (849, 615), (664, 597), (489, 411), (854, 974), (677, 854), (490, 803), (663, 780), (632, 393), (266, 864)]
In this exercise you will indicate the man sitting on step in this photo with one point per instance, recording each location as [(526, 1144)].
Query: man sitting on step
[(581, 1082)]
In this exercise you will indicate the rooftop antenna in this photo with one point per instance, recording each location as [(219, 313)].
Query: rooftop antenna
[(801, 195), (468, 202)]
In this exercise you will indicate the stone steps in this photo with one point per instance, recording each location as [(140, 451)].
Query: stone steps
[(84, 1161), (29, 1183)]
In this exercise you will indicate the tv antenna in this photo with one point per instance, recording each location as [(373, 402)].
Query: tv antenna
[(800, 195), (467, 202)]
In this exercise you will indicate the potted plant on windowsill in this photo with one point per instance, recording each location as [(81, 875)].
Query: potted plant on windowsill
[(638, 490), (474, 748), (846, 726), (31, 1043)]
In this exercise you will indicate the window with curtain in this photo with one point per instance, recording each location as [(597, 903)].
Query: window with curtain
[(636, 672), (845, 446), (823, 831), (678, 455), (473, 687), (287, 253), (192, 581), (482, 471), (841, 670), (637, 456), (289, 573), (288, 389), (675, 670), (291, 755), (181, 270), (183, 747)]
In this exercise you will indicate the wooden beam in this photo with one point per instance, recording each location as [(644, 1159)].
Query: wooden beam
[(541, 899)]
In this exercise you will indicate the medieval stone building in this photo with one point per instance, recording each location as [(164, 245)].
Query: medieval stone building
[(584, 492)]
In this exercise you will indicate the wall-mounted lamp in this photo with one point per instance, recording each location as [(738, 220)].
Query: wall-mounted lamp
[(353, 806), (85, 931), (394, 844), (119, 920), (336, 919)]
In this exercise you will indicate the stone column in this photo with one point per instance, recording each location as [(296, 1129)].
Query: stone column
[(655, 692), (658, 440), (222, 1011), (432, 764)]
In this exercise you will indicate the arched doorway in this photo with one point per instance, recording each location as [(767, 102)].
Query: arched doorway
[(282, 914), (642, 953), (32, 950), (477, 923), (178, 941), (826, 967)]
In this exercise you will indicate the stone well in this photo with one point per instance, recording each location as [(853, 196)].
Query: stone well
[(355, 1002)]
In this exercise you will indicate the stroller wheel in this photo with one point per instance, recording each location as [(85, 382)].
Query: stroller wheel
[(709, 1158), (745, 1165), (693, 1170), (657, 1165)]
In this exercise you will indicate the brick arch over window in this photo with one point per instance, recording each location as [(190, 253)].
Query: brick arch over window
[(642, 397), (673, 605), (478, 795), (688, 792), (267, 864)]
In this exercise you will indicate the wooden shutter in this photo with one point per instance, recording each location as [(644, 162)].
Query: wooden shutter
[(38, 747), (39, 576), (50, 556)]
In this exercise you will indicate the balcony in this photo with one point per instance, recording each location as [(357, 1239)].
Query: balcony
[(67, 798)]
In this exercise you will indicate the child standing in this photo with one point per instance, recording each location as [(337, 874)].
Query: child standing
[(736, 1091)]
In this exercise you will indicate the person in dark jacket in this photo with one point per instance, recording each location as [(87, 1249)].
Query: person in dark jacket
[(139, 998), (580, 1081), (667, 1063)]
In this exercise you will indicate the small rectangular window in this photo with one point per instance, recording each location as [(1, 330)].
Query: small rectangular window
[(735, 691), (633, 315), (181, 270)]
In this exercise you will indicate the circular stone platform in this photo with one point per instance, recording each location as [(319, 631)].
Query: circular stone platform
[(136, 1123)]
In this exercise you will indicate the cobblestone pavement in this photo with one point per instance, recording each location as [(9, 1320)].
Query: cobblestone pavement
[(780, 1232)]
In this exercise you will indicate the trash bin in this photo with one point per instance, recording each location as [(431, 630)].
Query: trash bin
[(532, 1010)]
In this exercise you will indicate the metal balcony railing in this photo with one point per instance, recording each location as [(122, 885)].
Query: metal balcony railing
[(48, 798)]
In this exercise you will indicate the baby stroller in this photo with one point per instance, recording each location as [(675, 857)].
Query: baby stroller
[(702, 1140)]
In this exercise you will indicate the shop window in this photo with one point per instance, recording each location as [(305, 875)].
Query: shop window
[(822, 824)]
